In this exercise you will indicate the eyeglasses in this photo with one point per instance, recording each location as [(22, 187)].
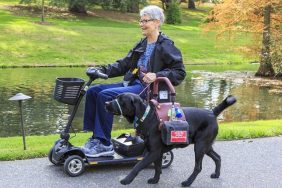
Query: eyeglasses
[(145, 21)]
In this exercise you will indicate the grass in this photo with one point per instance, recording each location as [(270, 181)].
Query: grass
[(11, 148), (101, 39), (253, 129)]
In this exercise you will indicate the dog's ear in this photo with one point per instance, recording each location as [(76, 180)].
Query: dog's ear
[(134, 107), (130, 108), (138, 105)]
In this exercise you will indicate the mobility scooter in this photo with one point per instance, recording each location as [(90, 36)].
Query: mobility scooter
[(128, 149)]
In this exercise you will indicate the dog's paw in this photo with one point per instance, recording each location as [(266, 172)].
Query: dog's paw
[(214, 175), (186, 183), (124, 182), (153, 180)]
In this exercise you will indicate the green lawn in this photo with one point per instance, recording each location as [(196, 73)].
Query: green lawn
[(88, 40), (11, 148)]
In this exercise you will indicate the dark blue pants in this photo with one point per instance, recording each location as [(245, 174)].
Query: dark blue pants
[(96, 118)]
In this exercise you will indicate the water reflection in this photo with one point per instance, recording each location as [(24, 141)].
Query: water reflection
[(44, 115)]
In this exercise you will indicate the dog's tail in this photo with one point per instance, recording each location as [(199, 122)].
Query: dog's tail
[(228, 101)]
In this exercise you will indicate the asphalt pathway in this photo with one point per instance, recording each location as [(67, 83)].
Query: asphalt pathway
[(250, 163)]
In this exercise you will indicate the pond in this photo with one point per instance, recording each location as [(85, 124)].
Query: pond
[(258, 99)]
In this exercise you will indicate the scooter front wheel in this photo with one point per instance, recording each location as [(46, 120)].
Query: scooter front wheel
[(167, 159), (74, 165), (50, 153)]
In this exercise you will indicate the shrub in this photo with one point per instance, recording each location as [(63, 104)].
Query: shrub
[(122, 5), (173, 13), (277, 56)]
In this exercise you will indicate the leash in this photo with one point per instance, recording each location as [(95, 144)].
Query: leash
[(146, 111), (138, 94), (144, 89), (118, 106)]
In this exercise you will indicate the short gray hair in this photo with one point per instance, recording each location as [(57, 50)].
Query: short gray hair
[(154, 12)]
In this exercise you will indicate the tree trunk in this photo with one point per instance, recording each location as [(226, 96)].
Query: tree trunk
[(77, 7), (165, 4), (191, 4), (42, 13), (266, 69)]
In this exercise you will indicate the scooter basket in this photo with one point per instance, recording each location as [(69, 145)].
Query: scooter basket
[(68, 89)]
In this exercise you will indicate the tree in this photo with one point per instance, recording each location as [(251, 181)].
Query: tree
[(77, 6), (266, 68), (133, 6), (173, 13), (165, 4), (42, 12), (259, 17), (122, 5), (80, 6), (191, 4)]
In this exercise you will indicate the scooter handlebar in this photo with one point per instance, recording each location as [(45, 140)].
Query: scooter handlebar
[(102, 75), (95, 73)]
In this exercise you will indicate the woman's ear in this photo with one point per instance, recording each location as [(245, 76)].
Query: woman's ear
[(158, 24)]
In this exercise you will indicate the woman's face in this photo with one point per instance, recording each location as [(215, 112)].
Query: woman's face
[(148, 25)]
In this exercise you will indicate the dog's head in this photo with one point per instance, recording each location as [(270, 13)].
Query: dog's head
[(127, 104)]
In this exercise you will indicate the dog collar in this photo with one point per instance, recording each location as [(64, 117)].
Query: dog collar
[(145, 113), (119, 107)]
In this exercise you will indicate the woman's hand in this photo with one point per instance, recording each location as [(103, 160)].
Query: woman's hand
[(149, 77)]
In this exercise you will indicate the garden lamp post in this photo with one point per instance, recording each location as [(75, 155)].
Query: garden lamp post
[(20, 97)]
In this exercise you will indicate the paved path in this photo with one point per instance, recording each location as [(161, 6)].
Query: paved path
[(255, 163)]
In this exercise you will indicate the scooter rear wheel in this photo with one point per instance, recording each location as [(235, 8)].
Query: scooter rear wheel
[(74, 165), (167, 159)]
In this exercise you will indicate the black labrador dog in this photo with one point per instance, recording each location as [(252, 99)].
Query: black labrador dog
[(202, 132)]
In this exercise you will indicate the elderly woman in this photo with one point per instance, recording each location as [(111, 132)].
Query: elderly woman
[(152, 57)]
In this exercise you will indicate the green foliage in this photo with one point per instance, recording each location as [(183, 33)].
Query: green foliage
[(173, 13), (122, 5), (62, 3), (119, 5), (34, 2), (276, 56), (59, 3)]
